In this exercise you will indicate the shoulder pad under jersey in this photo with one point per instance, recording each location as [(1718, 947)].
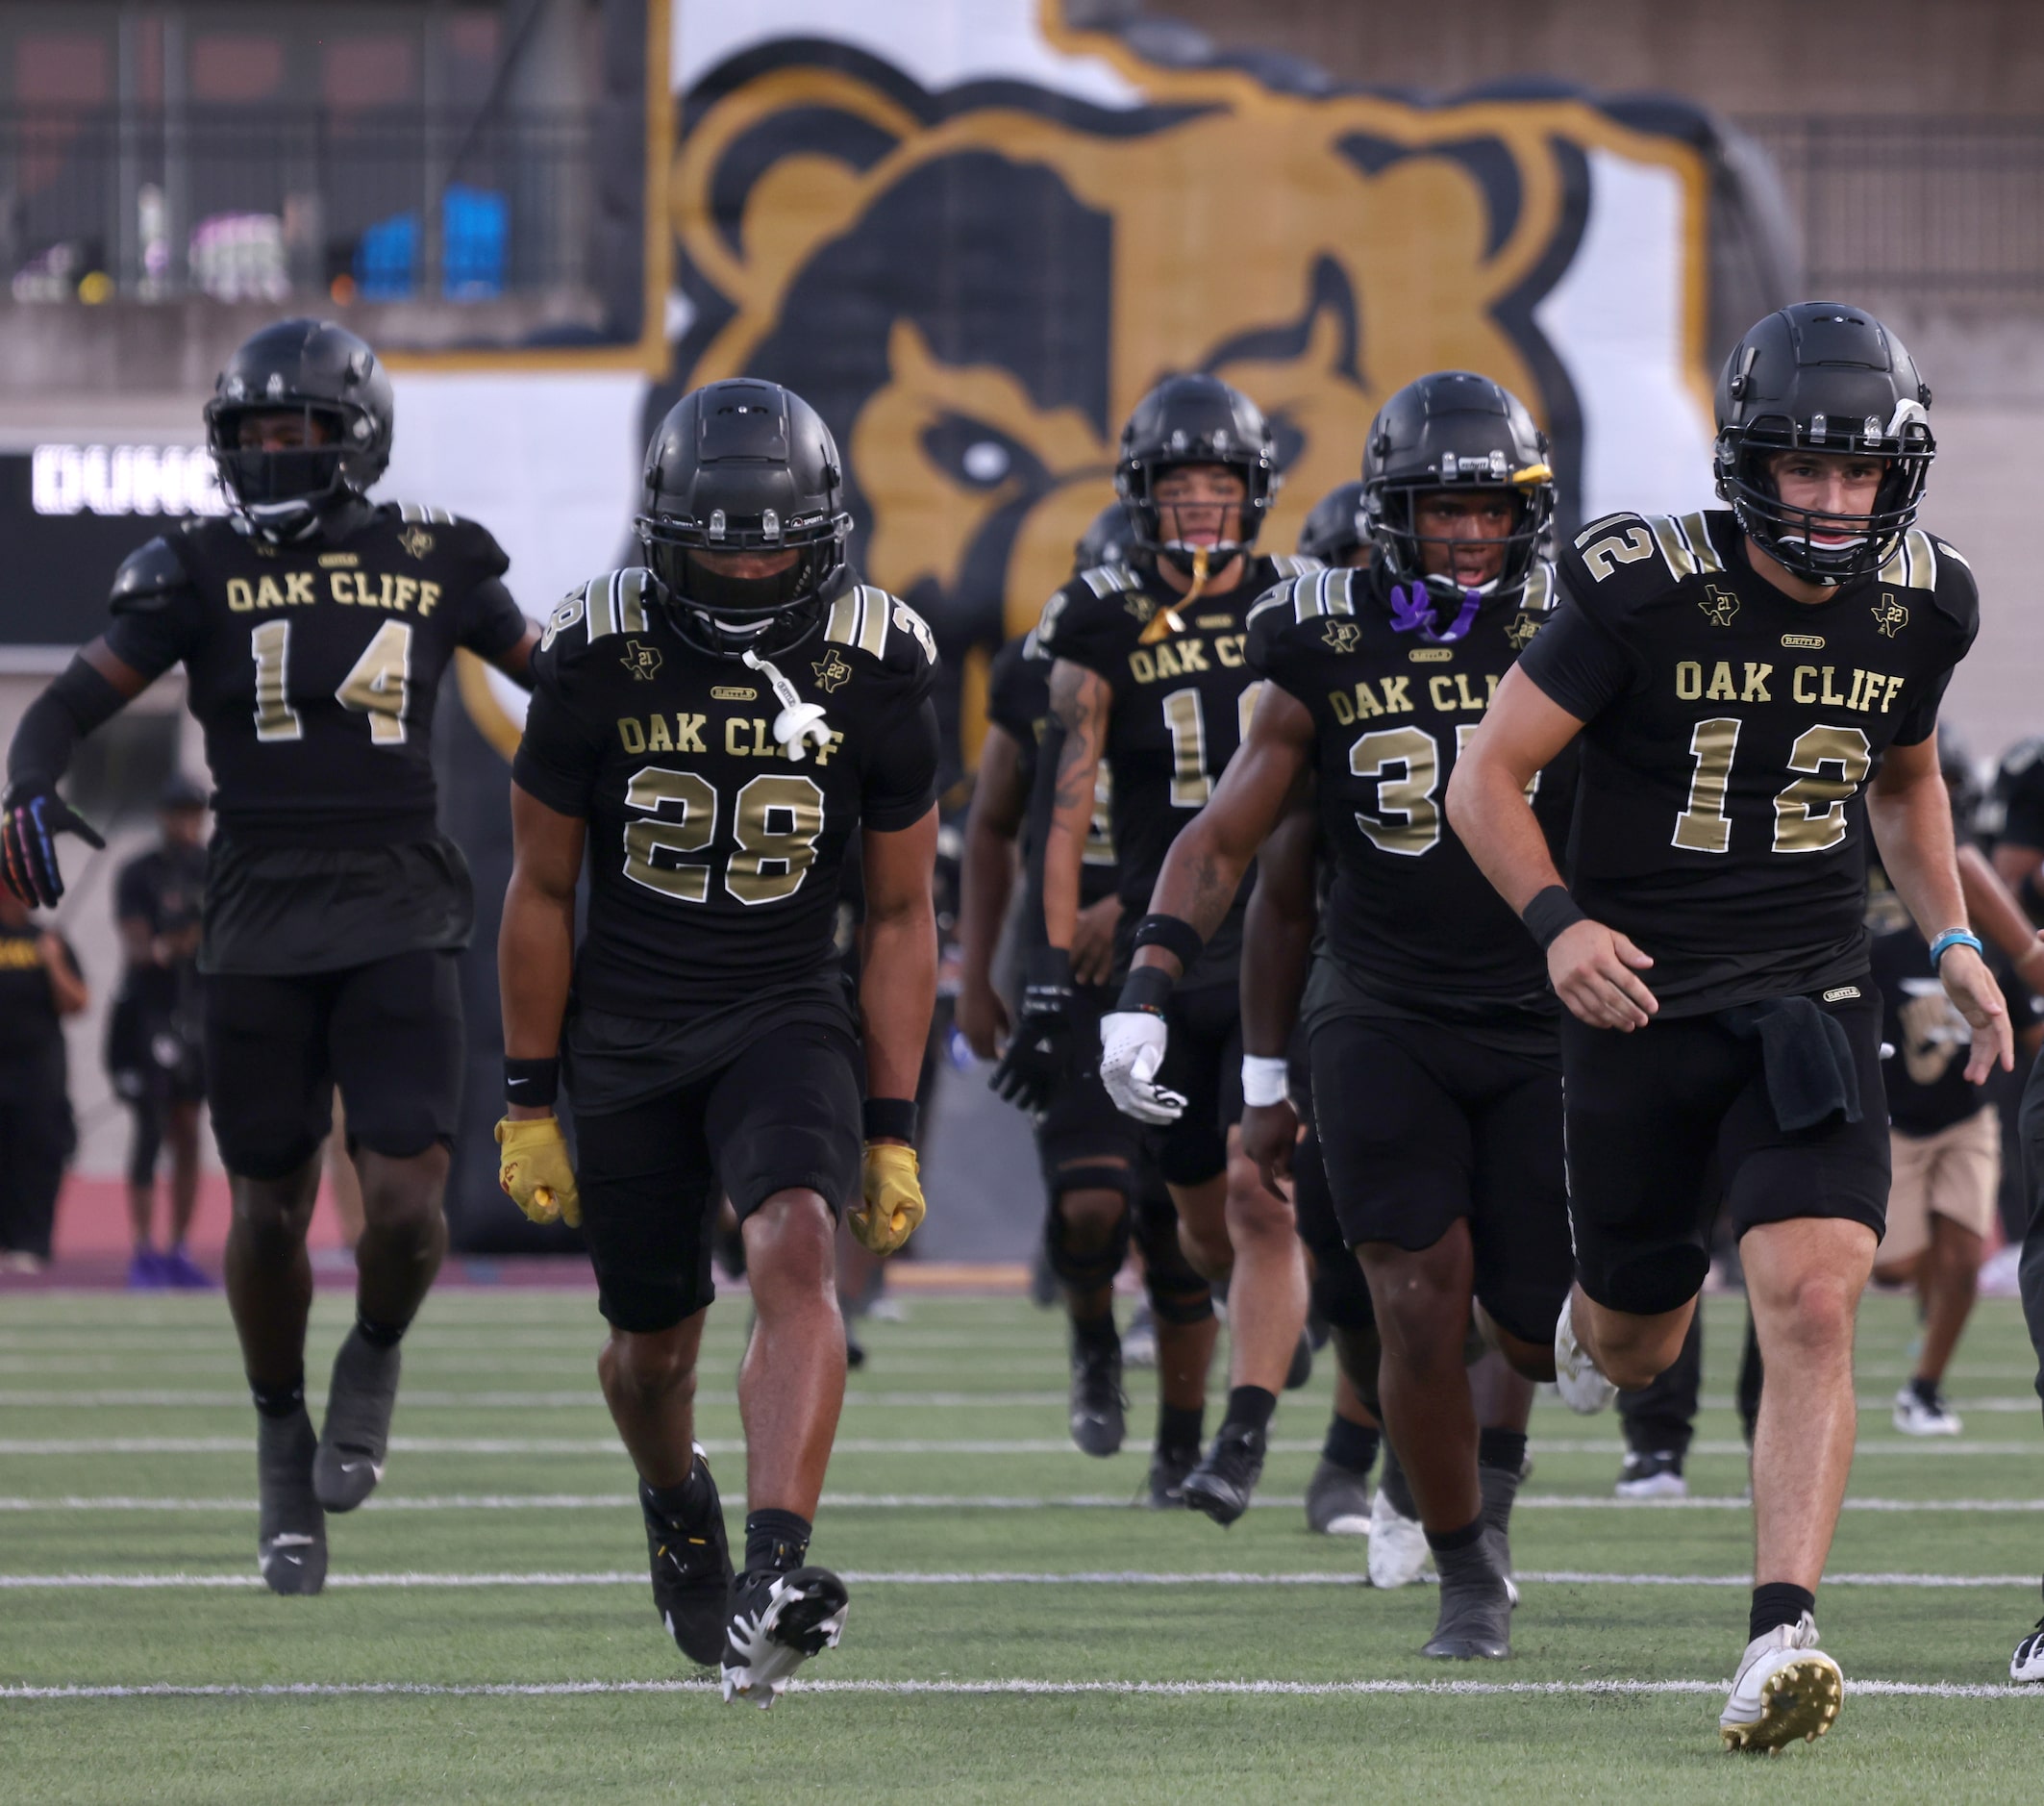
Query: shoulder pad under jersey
[(1292, 563), (460, 531), (1921, 562), (866, 618), (1293, 617), (614, 603), (1623, 561), (1105, 580), (148, 578)]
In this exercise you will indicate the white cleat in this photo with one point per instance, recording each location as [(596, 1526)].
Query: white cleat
[(776, 1623), (1914, 1416), (1398, 1546), (1656, 1474), (2028, 1662), (1786, 1689), (1583, 1389)]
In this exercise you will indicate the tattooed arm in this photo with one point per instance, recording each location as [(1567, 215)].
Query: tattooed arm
[(1080, 702), (1204, 869)]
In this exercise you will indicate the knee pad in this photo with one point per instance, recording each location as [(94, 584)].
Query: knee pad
[(1340, 1293), (1178, 1294), (1086, 1269)]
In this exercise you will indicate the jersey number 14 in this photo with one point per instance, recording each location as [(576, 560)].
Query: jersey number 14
[(378, 687)]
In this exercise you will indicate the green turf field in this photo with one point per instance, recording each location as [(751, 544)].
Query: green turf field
[(1018, 1634)]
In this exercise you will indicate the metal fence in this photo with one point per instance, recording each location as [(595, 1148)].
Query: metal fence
[(264, 203), (1928, 211)]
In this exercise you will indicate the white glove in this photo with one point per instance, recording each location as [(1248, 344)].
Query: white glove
[(1132, 1048)]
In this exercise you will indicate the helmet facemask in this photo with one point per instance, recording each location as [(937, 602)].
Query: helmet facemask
[(1391, 511), (726, 617), (281, 493), (1156, 523)]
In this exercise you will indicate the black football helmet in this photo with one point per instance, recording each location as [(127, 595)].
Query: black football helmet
[(1107, 540), (334, 380), (1195, 421), (744, 465), (1822, 376), (1336, 527), (1454, 430)]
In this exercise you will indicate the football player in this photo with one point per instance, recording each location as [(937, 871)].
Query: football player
[(1102, 1192), (314, 626), (1753, 687), (716, 733), (1149, 673), (1432, 1040)]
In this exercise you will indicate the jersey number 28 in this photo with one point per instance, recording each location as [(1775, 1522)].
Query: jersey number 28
[(776, 821)]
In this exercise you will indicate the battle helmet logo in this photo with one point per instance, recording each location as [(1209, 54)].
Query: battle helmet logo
[(1719, 605), (641, 660), (1343, 636), (831, 672), (1519, 635), (1140, 606), (415, 540), (1889, 615)]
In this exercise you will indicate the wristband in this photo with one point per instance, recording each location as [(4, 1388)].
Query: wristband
[(1551, 914), (1047, 968), (531, 1083), (1172, 933), (890, 1119), (1264, 1080), (1953, 937), (1147, 989)]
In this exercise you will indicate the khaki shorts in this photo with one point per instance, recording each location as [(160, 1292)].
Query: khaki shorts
[(1955, 1173)]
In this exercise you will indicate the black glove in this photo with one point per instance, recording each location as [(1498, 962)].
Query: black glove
[(31, 819), (1039, 1052)]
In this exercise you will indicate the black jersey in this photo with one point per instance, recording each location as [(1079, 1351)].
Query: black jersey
[(1018, 700), (313, 669), (1182, 706), (165, 887), (31, 1049), (1411, 926), (1730, 734), (715, 861), (1926, 1079)]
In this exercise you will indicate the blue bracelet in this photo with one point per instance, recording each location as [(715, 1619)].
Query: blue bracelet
[(1953, 937)]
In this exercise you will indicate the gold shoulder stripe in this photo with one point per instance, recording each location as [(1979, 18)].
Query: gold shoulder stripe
[(1958, 556), (632, 600), (1278, 596), (1340, 590), (1697, 530), (1538, 595), (602, 598), (1914, 562), (874, 606), (1306, 600), (1674, 546), (843, 624)]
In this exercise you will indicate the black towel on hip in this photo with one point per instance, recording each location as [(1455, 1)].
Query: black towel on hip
[(1806, 1056)]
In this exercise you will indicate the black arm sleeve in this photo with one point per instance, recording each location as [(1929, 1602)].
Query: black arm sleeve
[(491, 621), (1578, 665), (77, 702), (1037, 834), (900, 780)]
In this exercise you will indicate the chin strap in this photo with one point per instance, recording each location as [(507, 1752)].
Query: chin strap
[(799, 723), (1166, 621)]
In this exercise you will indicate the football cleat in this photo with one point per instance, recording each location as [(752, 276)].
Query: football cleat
[(1918, 1415), (356, 1433), (1786, 1688), (778, 1620), (2028, 1662), (692, 1572), (1337, 1501), (1475, 1622), (1583, 1389), (291, 1530), (1099, 1417), (1652, 1474), (1166, 1488), (1220, 1486), (1398, 1546)]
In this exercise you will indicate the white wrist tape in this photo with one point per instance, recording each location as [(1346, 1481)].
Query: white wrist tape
[(1262, 1080)]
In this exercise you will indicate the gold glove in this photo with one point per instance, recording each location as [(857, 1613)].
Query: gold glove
[(894, 1198), (534, 1171)]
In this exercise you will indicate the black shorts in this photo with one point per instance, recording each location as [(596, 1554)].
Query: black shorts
[(1203, 1063), (1082, 1127), (1418, 1127), (388, 1033), (1648, 1110), (785, 1114)]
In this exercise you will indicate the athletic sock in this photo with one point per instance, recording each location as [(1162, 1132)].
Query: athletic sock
[(1779, 1603), (1095, 1332), (378, 1335), (1250, 1408), (1501, 1448), (1925, 1391), (1447, 1542), (1181, 1426), (683, 1503), (1350, 1447), (281, 1401), (1500, 1456), (775, 1540)]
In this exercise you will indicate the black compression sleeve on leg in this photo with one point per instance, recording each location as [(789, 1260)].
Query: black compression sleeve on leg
[(76, 702)]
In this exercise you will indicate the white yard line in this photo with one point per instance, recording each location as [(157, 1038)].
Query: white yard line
[(996, 1577)]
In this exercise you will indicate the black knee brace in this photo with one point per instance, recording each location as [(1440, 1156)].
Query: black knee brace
[(1178, 1294), (1086, 1271), (1340, 1293)]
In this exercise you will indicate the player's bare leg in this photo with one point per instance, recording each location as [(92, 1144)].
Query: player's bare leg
[(791, 1382), (1803, 1278), (1086, 1235), (1423, 1384), (1629, 1350), (649, 1382), (269, 1292)]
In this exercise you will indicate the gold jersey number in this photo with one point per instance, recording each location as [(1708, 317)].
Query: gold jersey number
[(378, 687), (777, 820)]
